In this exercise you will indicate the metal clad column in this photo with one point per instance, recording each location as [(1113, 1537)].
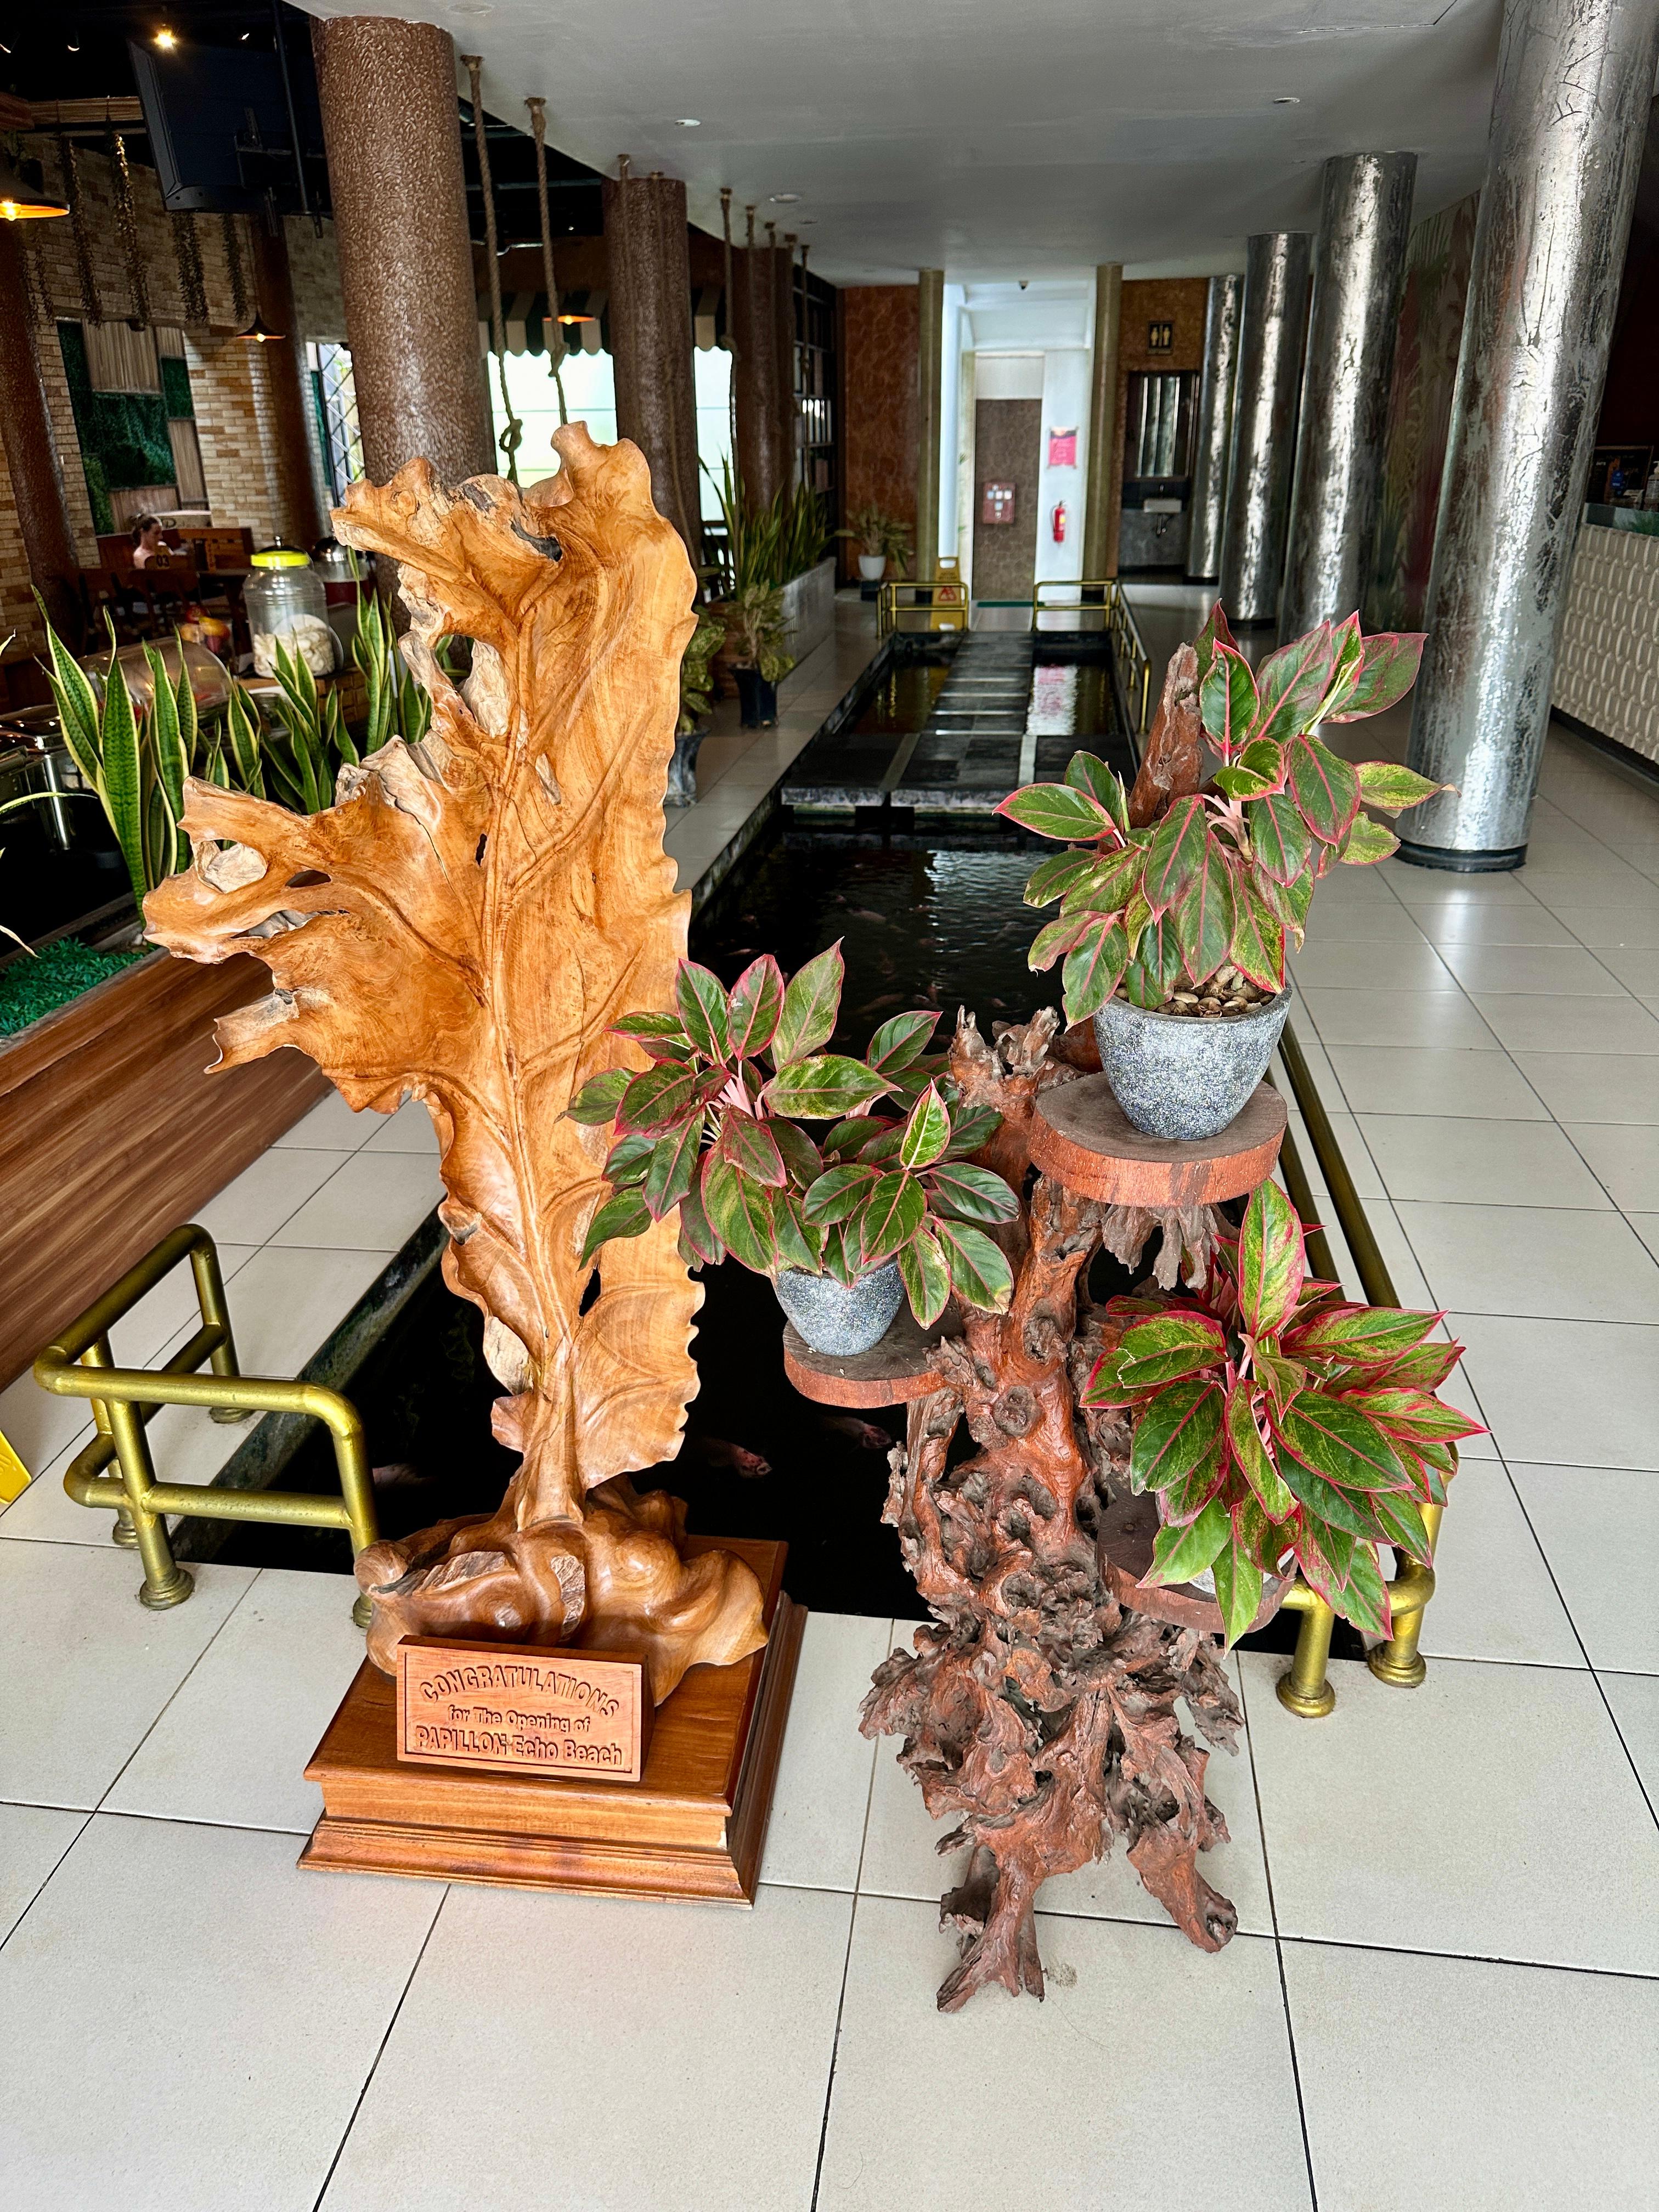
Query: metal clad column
[(1275, 319), (1575, 78), (37, 482), (761, 429), (645, 242), (1212, 447), (1360, 266), (283, 360), (930, 371), (392, 130), (1100, 501)]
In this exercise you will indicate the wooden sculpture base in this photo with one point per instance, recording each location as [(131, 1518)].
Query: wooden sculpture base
[(693, 1827)]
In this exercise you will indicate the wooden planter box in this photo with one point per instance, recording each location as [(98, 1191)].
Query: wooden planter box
[(111, 1132)]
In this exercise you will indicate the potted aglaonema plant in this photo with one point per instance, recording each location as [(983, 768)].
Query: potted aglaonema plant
[(697, 702), (760, 662), (1178, 901), (1280, 1425), (883, 1204), (880, 537)]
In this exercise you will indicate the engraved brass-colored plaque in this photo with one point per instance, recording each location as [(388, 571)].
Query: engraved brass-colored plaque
[(535, 1708)]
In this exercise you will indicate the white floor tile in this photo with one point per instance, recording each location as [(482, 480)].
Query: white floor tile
[(1411, 1080), (1378, 921), (1327, 963), (1566, 1392), (816, 1833), (1545, 1261), (1458, 1160), (901, 1859), (33, 1839), (1607, 927), (46, 1513), (1599, 1528), (1635, 1702), (409, 1130), (1057, 2100), (89, 1668), (1356, 1154), (1540, 969), (233, 1745), (229, 2026), (1449, 927), (1525, 2088), (1432, 1820), (1564, 1024), (254, 1205), (713, 2029), (1646, 1227), (371, 1203), (1625, 1158), (1494, 1596), (333, 1127), (1441, 890), (1610, 878), (1637, 969), (1593, 1086), (1441, 1019)]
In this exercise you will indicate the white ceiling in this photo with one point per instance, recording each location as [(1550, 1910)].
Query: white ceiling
[(996, 138)]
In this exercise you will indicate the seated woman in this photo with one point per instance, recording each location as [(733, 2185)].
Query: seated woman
[(148, 541)]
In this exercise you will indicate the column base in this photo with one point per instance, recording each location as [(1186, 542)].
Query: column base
[(1203, 580), (1490, 860)]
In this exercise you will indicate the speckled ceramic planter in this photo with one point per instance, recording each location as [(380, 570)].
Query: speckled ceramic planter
[(842, 1318), (1175, 1075)]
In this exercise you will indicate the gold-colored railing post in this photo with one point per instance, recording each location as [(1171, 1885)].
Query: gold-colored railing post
[(216, 1313), (166, 1583), (1306, 1690), (99, 1354), (1398, 1662)]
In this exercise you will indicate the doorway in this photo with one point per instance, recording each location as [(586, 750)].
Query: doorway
[(1007, 459)]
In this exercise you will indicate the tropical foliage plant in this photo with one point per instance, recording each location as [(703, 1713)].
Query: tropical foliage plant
[(755, 627), (769, 546), (1277, 1421), (878, 534), (697, 672), (1224, 877), (714, 1128)]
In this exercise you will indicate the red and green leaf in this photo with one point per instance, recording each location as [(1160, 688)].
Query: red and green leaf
[(1227, 700), (749, 1144), (1178, 1433), (623, 1214), (1058, 810), (823, 1088), (811, 1004), (926, 1277), (1215, 632), (968, 1194), (1053, 878), (1386, 673), (1387, 785), (598, 1100), (1181, 1552), (1094, 967), (1086, 772), (1176, 853), (901, 1042), (700, 997), (739, 1211), (755, 1007), (1204, 916), (890, 1216), (1280, 838), (1252, 1457), (672, 1169), (1371, 1334), (927, 1132), (1367, 842), (1237, 1590), (1341, 1444), (980, 1274), (664, 1096), (699, 1245), (1272, 1265), (1258, 947), (1325, 788), (1157, 967), (1293, 684)]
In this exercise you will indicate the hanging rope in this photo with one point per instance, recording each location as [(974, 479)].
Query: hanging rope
[(187, 250), (241, 308), (126, 221), (92, 307), (731, 325), (34, 269), (553, 327), (513, 435)]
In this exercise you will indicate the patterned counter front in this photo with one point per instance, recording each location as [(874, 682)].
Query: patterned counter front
[(1607, 672)]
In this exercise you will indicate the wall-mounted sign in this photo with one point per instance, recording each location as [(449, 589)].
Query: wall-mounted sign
[(1160, 338), (997, 503), (1062, 448)]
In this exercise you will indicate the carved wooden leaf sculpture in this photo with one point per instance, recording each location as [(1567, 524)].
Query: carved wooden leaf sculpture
[(465, 925)]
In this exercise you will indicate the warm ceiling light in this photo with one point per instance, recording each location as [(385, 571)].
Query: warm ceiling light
[(575, 319), (166, 40), (23, 202), (785, 199), (257, 334), (690, 122)]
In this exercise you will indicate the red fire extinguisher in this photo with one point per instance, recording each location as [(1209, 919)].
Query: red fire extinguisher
[(1058, 522)]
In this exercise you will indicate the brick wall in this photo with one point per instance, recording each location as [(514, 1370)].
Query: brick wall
[(228, 379)]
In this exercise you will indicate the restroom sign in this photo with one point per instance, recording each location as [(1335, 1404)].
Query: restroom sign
[(997, 503), (1160, 338)]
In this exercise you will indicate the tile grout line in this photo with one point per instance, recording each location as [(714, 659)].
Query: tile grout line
[(1279, 1951), (374, 2064), (45, 1879), (1477, 1959), (846, 1957)]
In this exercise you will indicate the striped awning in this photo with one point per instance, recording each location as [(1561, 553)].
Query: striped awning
[(524, 318)]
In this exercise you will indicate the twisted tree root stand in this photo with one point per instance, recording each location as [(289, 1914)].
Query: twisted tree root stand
[(1035, 1707)]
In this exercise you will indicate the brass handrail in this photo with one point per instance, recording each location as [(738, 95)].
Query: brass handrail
[(1120, 626), (947, 595), (78, 1364)]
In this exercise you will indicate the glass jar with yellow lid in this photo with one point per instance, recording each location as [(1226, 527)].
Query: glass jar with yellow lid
[(287, 606)]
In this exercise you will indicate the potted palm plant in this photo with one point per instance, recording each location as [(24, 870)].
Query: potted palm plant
[(883, 1205), (1178, 899), (754, 637), (696, 699), (880, 537), (1277, 1425)]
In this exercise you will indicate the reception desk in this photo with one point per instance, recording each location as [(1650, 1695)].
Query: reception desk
[(1606, 669)]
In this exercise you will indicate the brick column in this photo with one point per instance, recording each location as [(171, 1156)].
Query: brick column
[(645, 238)]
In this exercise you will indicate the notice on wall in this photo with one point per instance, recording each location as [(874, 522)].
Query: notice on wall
[(1062, 448), (538, 1708), (997, 503)]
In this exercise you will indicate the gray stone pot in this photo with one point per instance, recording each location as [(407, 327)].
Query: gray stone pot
[(841, 1318), (1175, 1075)]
